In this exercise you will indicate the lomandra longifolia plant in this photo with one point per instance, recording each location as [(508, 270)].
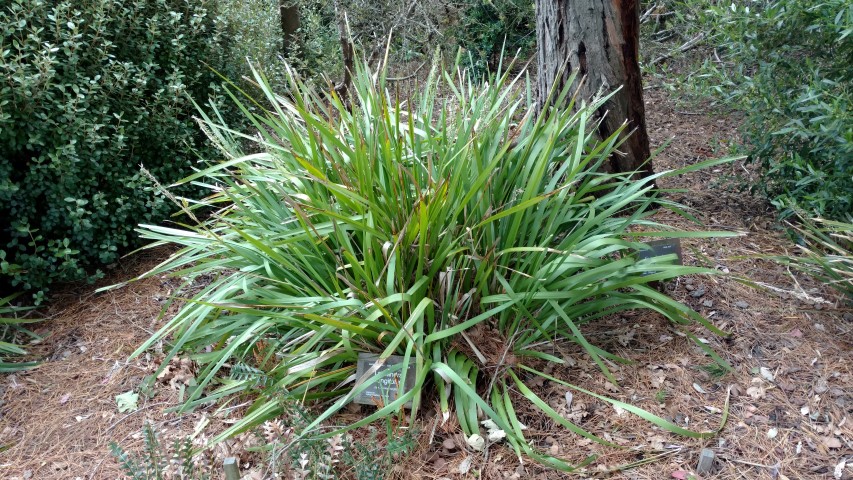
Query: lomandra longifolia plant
[(415, 226)]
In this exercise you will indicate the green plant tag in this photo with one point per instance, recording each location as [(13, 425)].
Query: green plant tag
[(389, 387)]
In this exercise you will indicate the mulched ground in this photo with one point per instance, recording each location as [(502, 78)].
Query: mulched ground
[(790, 396)]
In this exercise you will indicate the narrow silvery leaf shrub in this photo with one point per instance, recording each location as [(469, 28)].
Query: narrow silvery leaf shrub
[(450, 226)]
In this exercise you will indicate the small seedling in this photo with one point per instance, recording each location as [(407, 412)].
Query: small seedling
[(147, 387), (714, 370)]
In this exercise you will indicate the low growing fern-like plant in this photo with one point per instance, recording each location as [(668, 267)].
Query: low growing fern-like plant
[(158, 462), (408, 226), (372, 459)]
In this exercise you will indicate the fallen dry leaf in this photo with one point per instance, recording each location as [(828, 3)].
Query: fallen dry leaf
[(831, 442), (656, 442), (476, 442), (626, 338), (465, 466), (756, 391), (253, 475)]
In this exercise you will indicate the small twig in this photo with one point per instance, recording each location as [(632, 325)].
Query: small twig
[(477, 352), (133, 413), (721, 457), (664, 35), (687, 46), (648, 13), (399, 79), (432, 432), (800, 295)]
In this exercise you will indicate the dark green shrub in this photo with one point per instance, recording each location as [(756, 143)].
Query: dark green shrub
[(808, 157), (89, 92), (254, 31)]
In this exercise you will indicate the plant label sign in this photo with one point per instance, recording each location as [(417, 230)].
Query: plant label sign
[(660, 248), (389, 387)]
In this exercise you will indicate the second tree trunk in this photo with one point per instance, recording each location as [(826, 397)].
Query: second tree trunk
[(600, 39)]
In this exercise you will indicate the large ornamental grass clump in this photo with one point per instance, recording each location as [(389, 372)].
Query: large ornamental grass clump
[(464, 234)]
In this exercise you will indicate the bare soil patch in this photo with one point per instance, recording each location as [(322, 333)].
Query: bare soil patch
[(790, 396)]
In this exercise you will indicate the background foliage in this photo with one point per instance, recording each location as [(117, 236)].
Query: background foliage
[(253, 28), (487, 28), (786, 65), (479, 27)]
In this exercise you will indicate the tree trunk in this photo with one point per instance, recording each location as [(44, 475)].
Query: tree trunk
[(289, 12), (600, 38)]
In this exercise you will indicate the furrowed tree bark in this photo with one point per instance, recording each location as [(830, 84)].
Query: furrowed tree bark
[(289, 12), (600, 39)]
